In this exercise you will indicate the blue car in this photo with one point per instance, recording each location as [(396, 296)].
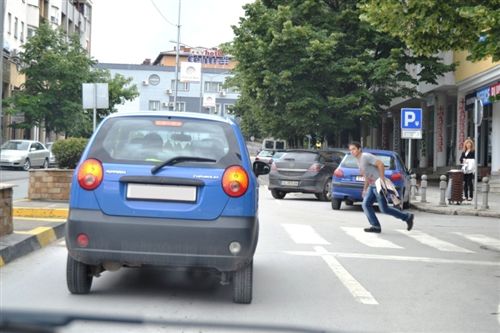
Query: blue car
[(347, 182), (172, 189)]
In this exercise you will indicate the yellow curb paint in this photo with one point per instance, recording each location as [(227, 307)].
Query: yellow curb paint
[(40, 212), (2, 263), (45, 235)]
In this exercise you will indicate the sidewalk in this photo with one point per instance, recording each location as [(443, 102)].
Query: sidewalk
[(465, 208), (38, 223)]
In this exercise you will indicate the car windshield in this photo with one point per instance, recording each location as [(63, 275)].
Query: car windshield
[(16, 145), (302, 156), (146, 140), (265, 153), (351, 162)]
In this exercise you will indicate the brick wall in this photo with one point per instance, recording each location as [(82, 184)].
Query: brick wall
[(50, 184), (6, 226)]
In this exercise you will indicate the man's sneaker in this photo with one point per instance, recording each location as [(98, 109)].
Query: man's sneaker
[(410, 222), (373, 229)]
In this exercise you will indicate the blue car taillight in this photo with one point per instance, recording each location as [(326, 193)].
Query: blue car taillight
[(235, 181), (396, 177), (339, 173), (90, 174)]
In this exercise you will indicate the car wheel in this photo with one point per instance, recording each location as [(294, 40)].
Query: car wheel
[(45, 164), (326, 195), (27, 165), (78, 276), (336, 203), (242, 284), (277, 194)]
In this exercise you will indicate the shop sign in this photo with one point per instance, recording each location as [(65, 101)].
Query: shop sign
[(495, 89), (484, 95)]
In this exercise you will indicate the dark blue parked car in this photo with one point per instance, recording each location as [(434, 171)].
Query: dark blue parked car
[(347, 183), (165, 189)]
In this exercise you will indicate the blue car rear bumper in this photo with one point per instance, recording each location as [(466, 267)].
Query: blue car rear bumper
[(135, 241)]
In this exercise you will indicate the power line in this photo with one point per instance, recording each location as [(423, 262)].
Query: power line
[(161, 14)]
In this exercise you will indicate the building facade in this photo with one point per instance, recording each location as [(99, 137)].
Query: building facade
[(448, 109), (21, 19), (156, 82)]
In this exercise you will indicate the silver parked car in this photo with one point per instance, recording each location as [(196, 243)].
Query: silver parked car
[(52, 157), (24, 154)]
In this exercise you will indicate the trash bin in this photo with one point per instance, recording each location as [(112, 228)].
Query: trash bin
[(455, 186)]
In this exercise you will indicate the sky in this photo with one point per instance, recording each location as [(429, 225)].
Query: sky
[(129, 31)]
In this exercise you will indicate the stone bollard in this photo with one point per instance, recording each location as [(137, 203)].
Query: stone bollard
[(413, 187), (485, 189), (442, 190), (423, 189)]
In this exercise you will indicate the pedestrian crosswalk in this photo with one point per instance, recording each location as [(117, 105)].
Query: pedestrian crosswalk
[(306, 234)]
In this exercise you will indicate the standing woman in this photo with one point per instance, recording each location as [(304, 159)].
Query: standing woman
[(468, 161)]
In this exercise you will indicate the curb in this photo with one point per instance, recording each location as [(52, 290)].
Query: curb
[(450, 210), (19, 244), (57, 213)]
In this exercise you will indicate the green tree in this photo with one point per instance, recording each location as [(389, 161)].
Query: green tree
[(55, 66), (312, 67), (429, 26)]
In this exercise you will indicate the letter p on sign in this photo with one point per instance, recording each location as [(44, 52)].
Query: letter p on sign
[(411, 119)]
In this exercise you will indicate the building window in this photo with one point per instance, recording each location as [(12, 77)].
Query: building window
[(9, 23), (31, 31), (182, 86), (228, 108), (213, 87), (22, 32), (154, 105), (16, 21), (181, 106)]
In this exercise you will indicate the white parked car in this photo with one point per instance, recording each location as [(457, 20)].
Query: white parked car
[(24, 154), (52, 158)]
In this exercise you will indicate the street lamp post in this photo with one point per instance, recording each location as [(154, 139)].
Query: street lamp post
[(177, 56)]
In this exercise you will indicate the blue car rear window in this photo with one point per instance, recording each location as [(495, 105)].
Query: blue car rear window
[(147, 140), (351, 162)]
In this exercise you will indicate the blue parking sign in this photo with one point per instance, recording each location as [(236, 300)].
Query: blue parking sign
[(411, 118)]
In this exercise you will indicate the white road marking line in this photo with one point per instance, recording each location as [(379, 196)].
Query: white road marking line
[(304, 234), (498, 314), (398, 258), (355, 288), (481, 240), (370, 239), (434, 242)]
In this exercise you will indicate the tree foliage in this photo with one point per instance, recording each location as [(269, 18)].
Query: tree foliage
[(429, 26), (312, 67), (55, 66)]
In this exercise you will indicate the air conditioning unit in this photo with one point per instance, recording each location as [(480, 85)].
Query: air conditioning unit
[(145, 83), (54, 20), (168, 91), (222, 93)]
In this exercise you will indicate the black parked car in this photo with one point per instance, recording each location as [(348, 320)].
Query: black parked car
[(306, 171)]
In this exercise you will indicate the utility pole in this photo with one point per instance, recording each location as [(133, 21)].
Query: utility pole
[(2, 14), (177, 56)]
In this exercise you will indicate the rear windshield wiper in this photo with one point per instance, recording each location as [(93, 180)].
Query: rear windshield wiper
[(179, 159)]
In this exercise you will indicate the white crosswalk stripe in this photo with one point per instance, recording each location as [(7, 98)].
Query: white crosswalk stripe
[(304, 234), (370, 239), (489, 242), (434, 242)]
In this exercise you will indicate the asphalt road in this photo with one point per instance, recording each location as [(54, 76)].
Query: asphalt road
[(313, 267), (19, 178)]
